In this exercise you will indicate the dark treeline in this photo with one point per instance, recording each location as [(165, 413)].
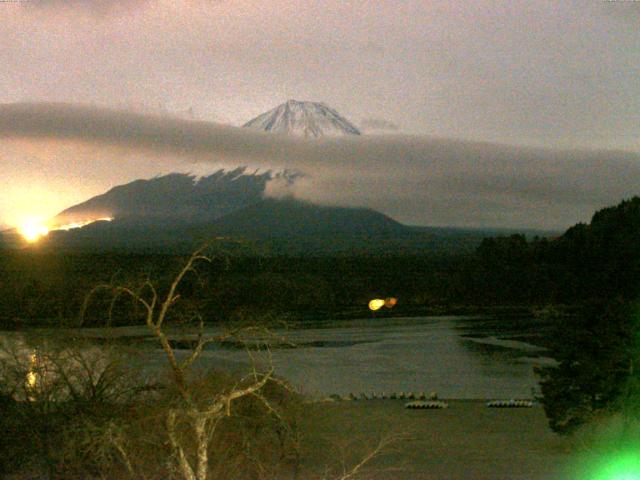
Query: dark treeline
[(587, 263), (596, 267), (49, 287)]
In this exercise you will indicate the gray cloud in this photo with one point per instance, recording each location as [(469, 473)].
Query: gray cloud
[(419, 180), (373, 124)]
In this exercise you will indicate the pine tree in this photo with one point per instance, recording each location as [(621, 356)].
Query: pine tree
[(597, 354)]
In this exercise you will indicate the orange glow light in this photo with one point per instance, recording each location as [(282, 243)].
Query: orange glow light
[(390, 302), (71, 226), (33, 229)]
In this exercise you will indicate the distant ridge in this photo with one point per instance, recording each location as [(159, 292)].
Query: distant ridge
[(176, 212), (289, 217), (176, 197), (305, 119), (286, 226)]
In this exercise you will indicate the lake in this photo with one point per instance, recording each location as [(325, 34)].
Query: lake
[(455, 356)]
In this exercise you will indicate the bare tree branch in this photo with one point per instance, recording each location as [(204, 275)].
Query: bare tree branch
[(171, 297)]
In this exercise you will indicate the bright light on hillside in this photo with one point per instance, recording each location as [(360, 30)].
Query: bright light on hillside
[(33, 229), (73, 225)]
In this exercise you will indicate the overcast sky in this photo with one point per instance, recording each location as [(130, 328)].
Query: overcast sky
[(544, 74)]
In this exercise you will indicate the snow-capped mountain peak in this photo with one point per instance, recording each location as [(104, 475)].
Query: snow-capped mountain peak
[(305, 119)]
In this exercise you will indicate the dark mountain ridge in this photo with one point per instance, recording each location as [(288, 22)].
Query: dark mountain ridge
[(176, 212), (176, 197)]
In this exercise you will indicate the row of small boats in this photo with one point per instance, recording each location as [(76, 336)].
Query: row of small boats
[(421, 401), (384, 396), (419, 405)]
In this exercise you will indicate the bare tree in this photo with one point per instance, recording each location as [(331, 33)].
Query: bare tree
[(201, 416), (192, 420), (110, 422)]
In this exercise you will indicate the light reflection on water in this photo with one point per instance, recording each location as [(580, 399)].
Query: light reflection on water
[(457, 357)]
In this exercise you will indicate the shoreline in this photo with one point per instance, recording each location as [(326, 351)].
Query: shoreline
[(317, 318)]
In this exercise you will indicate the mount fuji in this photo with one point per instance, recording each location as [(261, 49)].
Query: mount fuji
[(304, 119), (177, 212)]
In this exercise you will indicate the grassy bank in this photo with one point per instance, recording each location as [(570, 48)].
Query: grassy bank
[(465, 441)]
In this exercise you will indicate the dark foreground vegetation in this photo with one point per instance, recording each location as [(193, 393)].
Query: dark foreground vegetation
[(95, 415), (72, 410), (585, 281)]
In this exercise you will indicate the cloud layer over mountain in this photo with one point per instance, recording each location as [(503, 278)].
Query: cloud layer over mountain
[(417, 180)]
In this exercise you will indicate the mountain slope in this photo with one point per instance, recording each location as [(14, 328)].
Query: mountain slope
[(178, 211), (306, 119), (174, 198), (288, 217), (283, 225)]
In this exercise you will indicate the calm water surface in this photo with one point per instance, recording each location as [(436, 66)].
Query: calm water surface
[(457, 357)]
